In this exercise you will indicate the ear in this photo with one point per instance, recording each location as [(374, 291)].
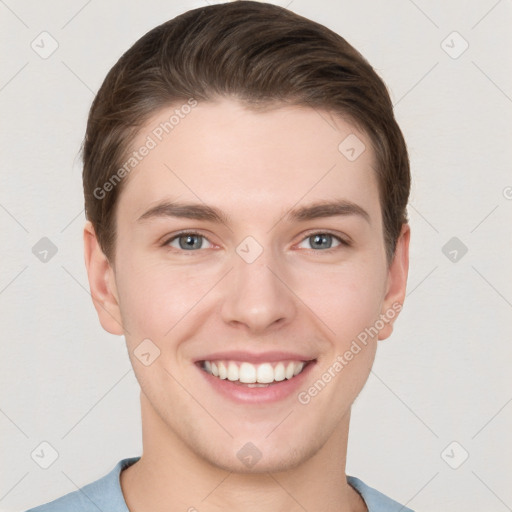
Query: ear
[(397, 283), (102, 283)]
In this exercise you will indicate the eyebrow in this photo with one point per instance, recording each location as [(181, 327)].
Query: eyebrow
[(198, 211), (328, 209), (185, 210)]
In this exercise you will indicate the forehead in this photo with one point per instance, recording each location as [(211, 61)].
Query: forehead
[(242, 161)]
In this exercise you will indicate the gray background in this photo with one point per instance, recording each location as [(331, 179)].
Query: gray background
[(443, 377)]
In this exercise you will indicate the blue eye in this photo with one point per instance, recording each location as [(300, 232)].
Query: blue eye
[(188, 241), (323, 241)]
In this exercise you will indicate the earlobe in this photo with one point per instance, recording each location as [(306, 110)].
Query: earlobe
[(101, 282), (397, 283)]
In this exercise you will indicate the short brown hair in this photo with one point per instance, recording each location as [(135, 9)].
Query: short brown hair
[(260, 54)]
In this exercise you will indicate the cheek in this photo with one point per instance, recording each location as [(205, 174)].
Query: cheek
[(347, 300), (155, 297)]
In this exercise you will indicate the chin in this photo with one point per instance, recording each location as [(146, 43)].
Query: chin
[(258, 457), (273, 462)]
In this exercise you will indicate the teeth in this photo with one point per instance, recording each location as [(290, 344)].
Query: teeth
[(223, 371), (298, 369), (247, 373), (253, 375), (232, 371), (265, 373), (279, 372)]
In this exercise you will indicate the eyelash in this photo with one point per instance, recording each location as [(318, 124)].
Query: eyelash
[(343, 242)]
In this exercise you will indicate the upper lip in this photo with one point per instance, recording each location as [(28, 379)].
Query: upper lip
[(255, 358)]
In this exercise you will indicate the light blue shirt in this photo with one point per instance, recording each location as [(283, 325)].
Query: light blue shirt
[(106, 495)]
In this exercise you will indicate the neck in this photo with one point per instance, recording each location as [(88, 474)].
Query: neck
[(172, 477)]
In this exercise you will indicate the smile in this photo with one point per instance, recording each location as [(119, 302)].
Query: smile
[(254, 375)]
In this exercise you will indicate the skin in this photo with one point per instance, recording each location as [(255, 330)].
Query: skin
[(255, 167)]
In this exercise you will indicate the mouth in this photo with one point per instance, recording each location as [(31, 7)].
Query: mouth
[(249, 379), (252, 375)]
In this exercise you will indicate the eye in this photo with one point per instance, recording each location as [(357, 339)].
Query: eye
[(323, 241), (188, 241)]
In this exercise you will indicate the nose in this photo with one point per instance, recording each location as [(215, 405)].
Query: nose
[(257, 297)]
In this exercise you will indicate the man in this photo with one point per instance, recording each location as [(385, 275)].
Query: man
[(246, 187)]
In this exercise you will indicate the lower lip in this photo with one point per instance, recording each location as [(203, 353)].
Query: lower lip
[(271, 393)]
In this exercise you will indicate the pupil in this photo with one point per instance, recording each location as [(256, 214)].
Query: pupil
[(190, 242), (321, 241)]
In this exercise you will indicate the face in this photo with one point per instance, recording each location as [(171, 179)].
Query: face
[(250, 281)]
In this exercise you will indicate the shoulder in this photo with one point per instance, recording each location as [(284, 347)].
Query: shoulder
[(102, 494), (375, 500)]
